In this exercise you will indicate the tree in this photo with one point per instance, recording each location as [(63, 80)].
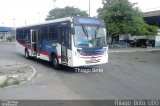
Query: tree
[(65, 12), (12, 35), (121, 17), (149, 30)]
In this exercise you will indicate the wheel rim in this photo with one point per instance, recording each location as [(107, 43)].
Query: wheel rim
[(55, 62), (26, 54)]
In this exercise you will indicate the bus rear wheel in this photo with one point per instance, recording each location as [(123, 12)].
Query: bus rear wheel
[(27, 54), (56, 64)]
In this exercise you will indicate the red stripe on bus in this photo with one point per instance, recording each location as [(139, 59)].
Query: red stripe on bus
[(44, 53), (91, 55), (59, 57), (40, 52), (23, 45)]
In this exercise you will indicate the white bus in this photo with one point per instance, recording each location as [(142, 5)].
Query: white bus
[(71, 41)]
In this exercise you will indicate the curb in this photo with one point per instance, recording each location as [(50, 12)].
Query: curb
[(7, 42), (12, 76), (34, 72), (135, 50), (10, 42)]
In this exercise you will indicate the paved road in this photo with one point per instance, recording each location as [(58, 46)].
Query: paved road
[(134, 75)]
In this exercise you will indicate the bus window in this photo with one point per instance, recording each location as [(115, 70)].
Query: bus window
[(65, 38), (53, 33), (26, 34), (44, 33), (17, 34), (21, 36)]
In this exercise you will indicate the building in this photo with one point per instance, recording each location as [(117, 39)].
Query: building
[(153, 18), (4, 33)]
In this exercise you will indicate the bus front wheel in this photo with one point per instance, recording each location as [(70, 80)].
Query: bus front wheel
[(56, 64)]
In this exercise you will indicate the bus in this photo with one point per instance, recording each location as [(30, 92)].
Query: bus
[(70, 41)]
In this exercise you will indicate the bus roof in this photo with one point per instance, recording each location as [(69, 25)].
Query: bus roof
[(56, 21), (48, 22)]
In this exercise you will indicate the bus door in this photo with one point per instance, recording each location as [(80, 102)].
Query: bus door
[(34, 40), (64, 41)]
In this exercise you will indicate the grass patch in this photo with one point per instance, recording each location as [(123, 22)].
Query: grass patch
[(4, 84), (16, 82)]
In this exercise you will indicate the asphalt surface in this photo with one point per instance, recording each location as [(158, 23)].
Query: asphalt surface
[(134, 75)]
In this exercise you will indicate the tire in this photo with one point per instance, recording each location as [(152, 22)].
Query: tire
[(27, 54), (56, 64)]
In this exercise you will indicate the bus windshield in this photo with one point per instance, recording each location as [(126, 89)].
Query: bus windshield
[(90, 36)]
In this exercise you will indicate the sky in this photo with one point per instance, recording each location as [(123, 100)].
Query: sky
[(26, 12)]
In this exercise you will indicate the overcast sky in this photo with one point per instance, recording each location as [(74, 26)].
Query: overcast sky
[(35, 11)]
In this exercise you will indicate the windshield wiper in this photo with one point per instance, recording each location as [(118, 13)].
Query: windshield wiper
[(96, 31), (85, 31)]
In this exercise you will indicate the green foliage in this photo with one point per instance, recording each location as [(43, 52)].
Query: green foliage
[(12, 33), (122, 17), (4, 84), (149, 30), (9, 38), (17, 82), (65, 12)]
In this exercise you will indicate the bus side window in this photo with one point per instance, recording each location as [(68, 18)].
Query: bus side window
[(68, 37), (27, 35), (65, 37), (62, 35), (17, 34), (44, 33), (53, 33), (21, 34)]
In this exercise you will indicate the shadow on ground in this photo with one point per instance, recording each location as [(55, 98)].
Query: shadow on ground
[(64, 69)]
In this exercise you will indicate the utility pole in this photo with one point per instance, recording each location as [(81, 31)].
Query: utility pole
[(38, 13), (89, 7), (14, 22), (25, 22), (14, 28), (54, 3)]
